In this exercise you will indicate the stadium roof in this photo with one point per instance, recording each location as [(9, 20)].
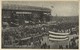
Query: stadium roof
[(24, 8)]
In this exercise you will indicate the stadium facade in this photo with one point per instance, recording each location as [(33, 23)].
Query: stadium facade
[(20, 14)]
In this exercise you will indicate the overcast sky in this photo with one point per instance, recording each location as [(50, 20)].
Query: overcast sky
[(66, 8)]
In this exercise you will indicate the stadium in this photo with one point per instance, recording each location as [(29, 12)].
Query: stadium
[(34, 27)]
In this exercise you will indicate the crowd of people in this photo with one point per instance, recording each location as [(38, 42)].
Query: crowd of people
[(13, 36), (72, 44)]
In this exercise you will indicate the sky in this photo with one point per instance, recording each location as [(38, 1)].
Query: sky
[(61, 8)]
